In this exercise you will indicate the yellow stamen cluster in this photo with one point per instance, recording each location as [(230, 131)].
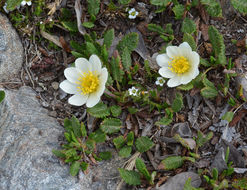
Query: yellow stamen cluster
[(88, 83), (179, 65), (133, 13)]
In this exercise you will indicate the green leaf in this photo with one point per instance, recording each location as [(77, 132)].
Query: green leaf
[(160, 2), (188, 86), (84, 166), (76, 54), (208, 92), (76, 46), (188, 186), (172, 162), (240, 183), (83, 130), (117, 73), (88, 24), (130, 177), (76, 126), (177, 103), (125, 152), (141, 167), (204, 62), (2, 95), (119, 142), (132, 110), (130, 41), (105, 155), (202, 139), (12, 4), (124, 2), (91, 49), (109, 37), (74, 168), (71, 26), (143, 144), (228, 116), (179, 139), (116, 110), (58, 153), (208, 83), (188, 26), (93, 7), (212, 7), (130, 138), (190, 40), (111, 125), (178, 11), (163, 121), (98, 136), (90, 144), (126, 59), (100, 110), (240, 5), (156, 28), (215, 174), (169, 29), (218, 45)]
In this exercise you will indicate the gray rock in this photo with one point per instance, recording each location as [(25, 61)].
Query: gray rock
[(183, 129), (27, 137), (11, 50), (177, 182)]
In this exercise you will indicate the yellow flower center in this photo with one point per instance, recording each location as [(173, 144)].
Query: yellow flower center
[(179, 65), (133, 13), (88, 82)]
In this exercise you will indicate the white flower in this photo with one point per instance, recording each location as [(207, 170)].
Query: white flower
[(160, 81), (133, 13), (5, 8), (24, 2), (133, 91), (180, 64), (86, 81)]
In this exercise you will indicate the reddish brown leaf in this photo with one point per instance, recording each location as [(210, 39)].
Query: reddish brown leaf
[(204, 30), (64, 44), (238, 117)]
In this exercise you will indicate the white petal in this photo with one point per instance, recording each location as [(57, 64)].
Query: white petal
[(96, 63), (68, 87), (29, 3), (172, 51), (72, 74), (83, 65), (104, 75), (23, 3), (78, 99), (175, 81), (185, 45), (166, 72), (185, 79), (163, 60), (103, 78), (92, 100), (194, 59)]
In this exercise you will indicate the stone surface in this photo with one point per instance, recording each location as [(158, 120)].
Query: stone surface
[(11, 50), (177, 182), (27, 137)]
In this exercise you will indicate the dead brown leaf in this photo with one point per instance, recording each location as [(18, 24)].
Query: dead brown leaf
[(53, 6), (204, 30), (238, 117), (52, 38), (64, 44)]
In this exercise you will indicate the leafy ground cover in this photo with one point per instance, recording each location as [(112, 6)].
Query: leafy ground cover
[(161, 128)]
